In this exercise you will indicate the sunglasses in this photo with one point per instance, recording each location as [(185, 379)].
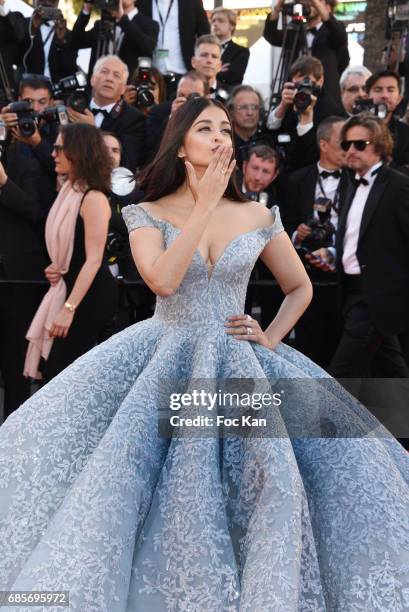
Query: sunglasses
[(359, 145), (57, 149)]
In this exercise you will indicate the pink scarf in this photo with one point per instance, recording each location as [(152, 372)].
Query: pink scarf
[(59, 238)]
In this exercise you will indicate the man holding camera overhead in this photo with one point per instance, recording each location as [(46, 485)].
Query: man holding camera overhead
[(325, 37), (47, 48), (122, 30)]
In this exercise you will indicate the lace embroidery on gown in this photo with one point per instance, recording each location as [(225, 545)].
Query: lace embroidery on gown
[(95, 502)]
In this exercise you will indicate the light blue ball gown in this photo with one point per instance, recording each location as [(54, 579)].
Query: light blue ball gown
[(95, 502)]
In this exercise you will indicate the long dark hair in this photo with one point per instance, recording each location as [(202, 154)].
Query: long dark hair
[(167, 172), (84, 146)]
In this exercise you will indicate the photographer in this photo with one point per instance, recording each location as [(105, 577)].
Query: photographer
[(234, 57), (384, 87), (304, 104), (35, 135), (12, 32), (47, 47), (190, 85), (325, 36), (146, 88), (353, 86), (247, 110), (310, 216), (122, 30), (110, 112), (26, 193)]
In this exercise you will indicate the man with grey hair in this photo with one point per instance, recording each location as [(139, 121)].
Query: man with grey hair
[(108, 110), (352, 84)]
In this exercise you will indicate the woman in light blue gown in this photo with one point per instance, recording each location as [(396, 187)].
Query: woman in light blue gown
[(310, 514)]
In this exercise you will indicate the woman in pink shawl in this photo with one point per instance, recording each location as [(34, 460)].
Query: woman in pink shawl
[(82, 297)]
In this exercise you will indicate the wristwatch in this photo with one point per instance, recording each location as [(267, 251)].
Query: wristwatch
[(70, 307)]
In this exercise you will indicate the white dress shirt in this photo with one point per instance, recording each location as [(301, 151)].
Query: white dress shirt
[(4, 9), (47, 35), (349, 259), (99, 117), (310, 36), (274, 123), (169, 37)]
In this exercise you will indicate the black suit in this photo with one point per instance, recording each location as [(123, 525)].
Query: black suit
[(303, 150), (140, 37), (12, 31), (400, 154), (330, 45), (193, 23), (317, 332), (62, 58), (24, 205), (238, 57), (156, 122), (128, 126), (378, 311)]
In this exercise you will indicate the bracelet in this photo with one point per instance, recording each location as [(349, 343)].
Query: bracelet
[(70, 307)]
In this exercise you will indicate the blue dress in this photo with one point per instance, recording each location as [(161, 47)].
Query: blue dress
[(313, 517)]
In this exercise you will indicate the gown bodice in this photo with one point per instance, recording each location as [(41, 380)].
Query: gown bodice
[(208, 294)]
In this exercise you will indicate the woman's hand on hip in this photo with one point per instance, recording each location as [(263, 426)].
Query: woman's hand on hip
[(244, 327)]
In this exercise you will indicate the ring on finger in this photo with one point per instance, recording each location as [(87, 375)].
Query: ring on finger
[(249, 331)]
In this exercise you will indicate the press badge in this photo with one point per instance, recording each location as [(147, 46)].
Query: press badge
[(161, 53)]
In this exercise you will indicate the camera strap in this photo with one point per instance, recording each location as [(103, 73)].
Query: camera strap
[(163, 22), (116, 111), (335, 201)]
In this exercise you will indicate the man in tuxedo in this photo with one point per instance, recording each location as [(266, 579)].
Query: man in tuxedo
[(131, 34), (180, 24), (313, 195), (234, 57), (246, 109), (190, 85), (12, 31), (111, 113), (372, 256), (260, 171), (326, 39), (207, 59), (300, 124), (353, 86), (384, 87), (47, 49)]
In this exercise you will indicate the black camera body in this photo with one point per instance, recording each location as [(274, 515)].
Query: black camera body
[(143, 84), (105, 5), (54, 114), (48, 13), (322, 230), (366, 105), (296, 10), (305, 89), (26, 117), (72, 90)]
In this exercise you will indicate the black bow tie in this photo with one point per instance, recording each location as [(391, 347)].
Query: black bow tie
[(313, 31), (336, 174), (364, 181), (95, 111)]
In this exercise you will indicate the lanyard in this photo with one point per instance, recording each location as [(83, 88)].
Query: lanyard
[(163, 23), (47, 38), (336, 195)]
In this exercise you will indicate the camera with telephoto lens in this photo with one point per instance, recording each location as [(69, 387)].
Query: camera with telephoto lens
[(296, 10), (26, 117), (144, 84), (322, 230), (72, 90), (305, 89), (105, 5), (366, 105), (54, 114)]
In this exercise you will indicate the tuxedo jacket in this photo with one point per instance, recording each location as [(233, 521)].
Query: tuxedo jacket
[(24, 205), (156, 122), (193, 23), (330, 46), (400, 133), (128, 125), (383, 250), (140, 37), (300, 195), (62, 58), (303, 150), (238, 57), (12, 32)]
